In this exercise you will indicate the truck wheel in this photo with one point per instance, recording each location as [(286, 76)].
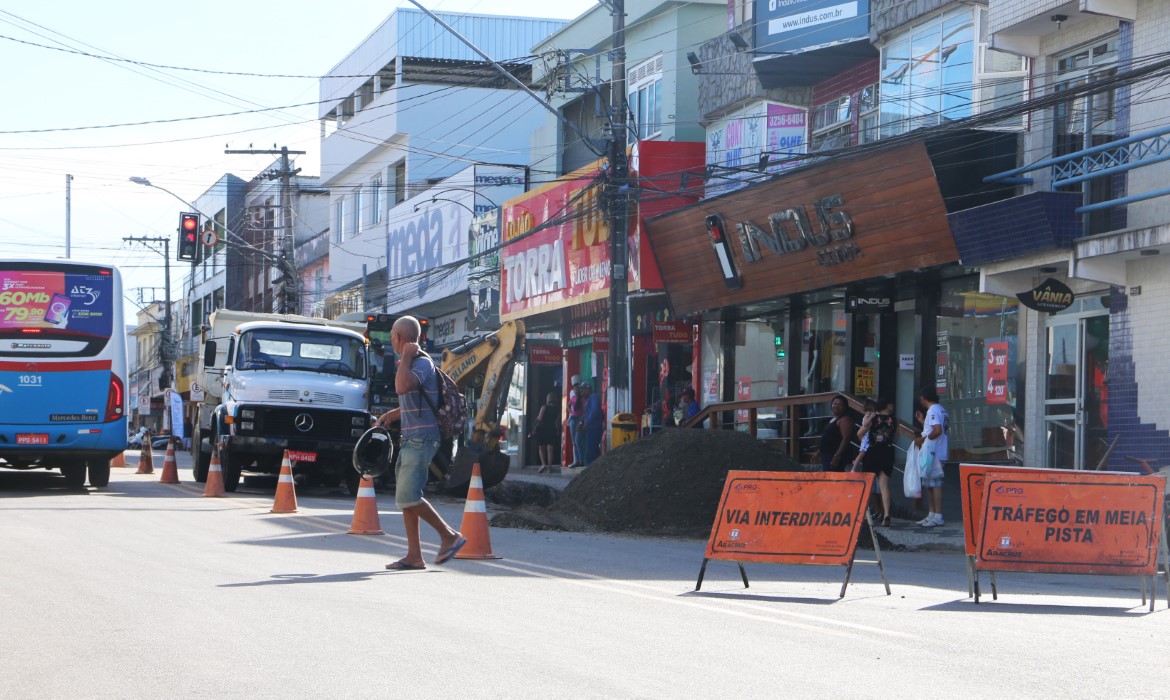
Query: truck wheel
[(202, 461), (74, 473), (353, 481), (99, 473), (230, 464)]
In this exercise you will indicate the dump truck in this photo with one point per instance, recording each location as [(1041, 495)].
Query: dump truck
[(277, 382)]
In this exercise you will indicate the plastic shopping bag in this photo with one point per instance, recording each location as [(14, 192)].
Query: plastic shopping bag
[(926, 459), (912, 477)]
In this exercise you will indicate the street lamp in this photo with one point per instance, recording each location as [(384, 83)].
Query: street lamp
[(283, 263)]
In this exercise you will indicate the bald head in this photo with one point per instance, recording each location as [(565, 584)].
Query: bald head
[(407, 328)]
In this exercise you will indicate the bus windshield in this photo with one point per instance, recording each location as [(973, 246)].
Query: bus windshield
[(56, 310)]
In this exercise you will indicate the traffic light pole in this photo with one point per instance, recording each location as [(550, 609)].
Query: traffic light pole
[(165, 347)]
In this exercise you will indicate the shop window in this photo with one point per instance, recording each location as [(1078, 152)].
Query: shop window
[(1075, 128), (942, 70), (644, 83), (831, 124), (979, 372)]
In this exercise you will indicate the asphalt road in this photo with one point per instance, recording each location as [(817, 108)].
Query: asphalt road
[(149, 590)]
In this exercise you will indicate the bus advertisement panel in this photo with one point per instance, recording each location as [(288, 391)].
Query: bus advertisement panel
[(62, 367)]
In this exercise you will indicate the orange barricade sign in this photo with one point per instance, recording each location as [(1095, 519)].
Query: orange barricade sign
[(1086, 523), (789, 518), (972, 477)]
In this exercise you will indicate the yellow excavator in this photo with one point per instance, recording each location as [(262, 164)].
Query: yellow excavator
[(483, 365)]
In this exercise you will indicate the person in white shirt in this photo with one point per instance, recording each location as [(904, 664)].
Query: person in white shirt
[(933, 440)]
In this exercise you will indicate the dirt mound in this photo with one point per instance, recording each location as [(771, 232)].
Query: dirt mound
[(666, 484)]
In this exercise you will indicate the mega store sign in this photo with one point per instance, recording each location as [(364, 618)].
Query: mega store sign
[(556, 237)]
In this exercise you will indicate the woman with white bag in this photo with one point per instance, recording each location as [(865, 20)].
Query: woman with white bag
[(932, 452)]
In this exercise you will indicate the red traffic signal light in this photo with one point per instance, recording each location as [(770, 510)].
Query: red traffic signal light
[(188, 237)]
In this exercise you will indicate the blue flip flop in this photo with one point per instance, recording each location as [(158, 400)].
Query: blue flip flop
[(446, 554)]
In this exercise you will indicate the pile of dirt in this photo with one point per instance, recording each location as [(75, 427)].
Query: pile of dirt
[(666, 484)]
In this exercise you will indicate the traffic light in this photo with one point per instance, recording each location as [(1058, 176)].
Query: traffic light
[(188, 236)]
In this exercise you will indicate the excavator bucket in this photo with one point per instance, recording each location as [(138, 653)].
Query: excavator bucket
[(493, 467)]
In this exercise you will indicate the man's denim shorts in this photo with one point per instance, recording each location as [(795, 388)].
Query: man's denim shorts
[(932, 483), (410, 474)]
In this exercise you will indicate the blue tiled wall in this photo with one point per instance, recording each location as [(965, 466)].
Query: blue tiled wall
[(1030, 223), (1138, 439)]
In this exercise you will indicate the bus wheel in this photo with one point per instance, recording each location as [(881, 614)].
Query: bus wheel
[(99, 472), (230, 464), (74, 473)]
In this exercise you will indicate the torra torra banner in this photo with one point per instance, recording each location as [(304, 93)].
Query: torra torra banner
[(789, 518)]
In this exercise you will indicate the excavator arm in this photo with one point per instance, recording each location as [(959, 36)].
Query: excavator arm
[(484, 364)]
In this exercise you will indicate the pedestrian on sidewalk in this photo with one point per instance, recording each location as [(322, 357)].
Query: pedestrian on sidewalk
[(575, 422), (420, 441), (545, 431), (932, 452), (879, 430), (594, 422), (836, 445)]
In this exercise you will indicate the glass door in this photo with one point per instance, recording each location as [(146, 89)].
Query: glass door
[(1076, 397)]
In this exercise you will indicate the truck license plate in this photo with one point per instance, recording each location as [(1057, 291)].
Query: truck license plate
[(299, 456), (32, 438)]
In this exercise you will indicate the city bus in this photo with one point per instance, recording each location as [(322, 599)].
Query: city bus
[(62, 368)]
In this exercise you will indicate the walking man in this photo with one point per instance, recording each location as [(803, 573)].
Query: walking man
[(420, 441)]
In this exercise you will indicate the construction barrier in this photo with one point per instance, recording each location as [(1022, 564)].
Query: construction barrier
[(170, 472), (1070, 522), (214, 486), (475, 523), (286, 494), (365, 510), (791, 518)]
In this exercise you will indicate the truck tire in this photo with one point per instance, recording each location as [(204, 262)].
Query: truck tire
[(230, 464), (202, 460), (99, 473), (74, 473), (353, 481)]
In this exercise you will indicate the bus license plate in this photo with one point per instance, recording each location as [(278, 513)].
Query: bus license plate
[(32, 438), (299, 456)]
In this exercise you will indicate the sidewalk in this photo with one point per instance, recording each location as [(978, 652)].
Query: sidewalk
[(905, 533)]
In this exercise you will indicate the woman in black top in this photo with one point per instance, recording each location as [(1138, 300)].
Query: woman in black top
[(836, 444), (546, 431), (878, 433)]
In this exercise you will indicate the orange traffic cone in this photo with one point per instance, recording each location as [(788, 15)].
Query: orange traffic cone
[(119, 460), (145, 459), (286, 493), (214, 486), (475, 523), (365, 511), (170, 473)]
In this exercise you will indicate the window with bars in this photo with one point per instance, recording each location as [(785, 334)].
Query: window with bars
[(339, 220)]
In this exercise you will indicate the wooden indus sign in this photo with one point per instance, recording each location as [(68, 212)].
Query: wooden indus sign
[(830, 224)]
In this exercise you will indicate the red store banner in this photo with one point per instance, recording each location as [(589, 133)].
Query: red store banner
[(545, 354), (601, 342), (997, 372), (556, 237), (672, 332)]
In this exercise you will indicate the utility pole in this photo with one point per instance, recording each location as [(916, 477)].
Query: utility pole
[(286, 255), (617, 198), (68, 212), (166, 347)]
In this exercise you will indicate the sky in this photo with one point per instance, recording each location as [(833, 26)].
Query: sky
[(54, 98)]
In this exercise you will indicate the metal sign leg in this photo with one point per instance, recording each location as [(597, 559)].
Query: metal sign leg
[(994, 588), (743, 575), (970, 577), (702, 573), (877, 550), (848, 571)]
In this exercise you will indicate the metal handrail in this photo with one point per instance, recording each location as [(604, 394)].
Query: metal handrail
[(792, 404)]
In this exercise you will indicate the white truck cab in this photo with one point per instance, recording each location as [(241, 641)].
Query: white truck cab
[(274, 383)]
